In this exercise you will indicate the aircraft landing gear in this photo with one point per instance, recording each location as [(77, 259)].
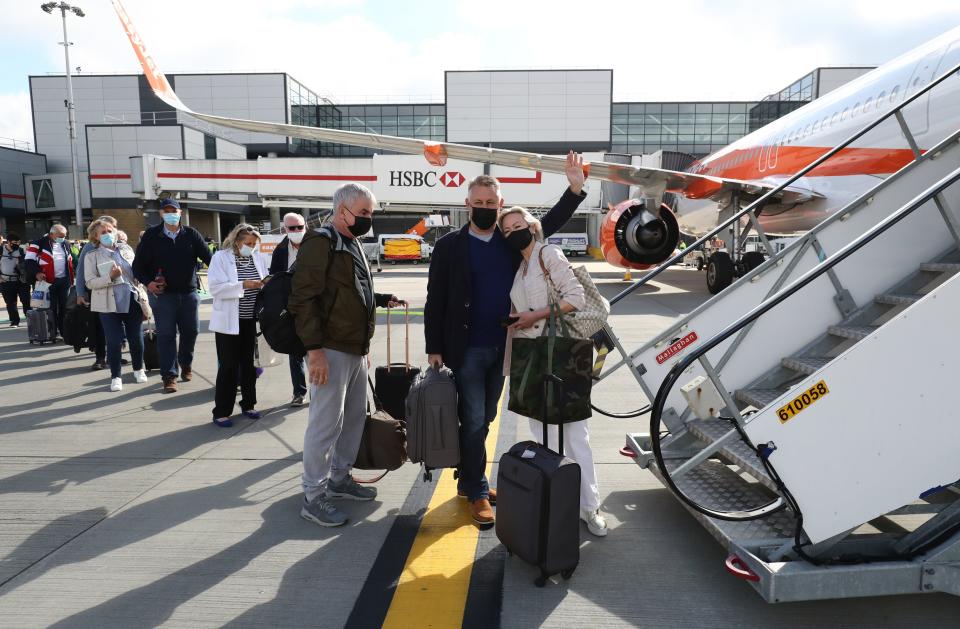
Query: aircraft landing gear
[(720, 272)]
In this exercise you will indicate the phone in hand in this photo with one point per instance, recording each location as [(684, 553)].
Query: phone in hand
[(508, 321)]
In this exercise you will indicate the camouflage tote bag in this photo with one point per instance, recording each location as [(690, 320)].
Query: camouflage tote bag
[(550, 375)]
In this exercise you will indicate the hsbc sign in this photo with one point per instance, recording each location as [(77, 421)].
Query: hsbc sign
[(425, 179)]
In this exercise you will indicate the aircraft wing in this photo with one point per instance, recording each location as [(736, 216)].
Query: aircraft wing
[(654, 180)]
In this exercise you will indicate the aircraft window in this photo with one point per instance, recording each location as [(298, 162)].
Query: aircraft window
[(825, 123), (893, 93), (856, 108), (806, 131), (834, 118), (867, 103), (880, 98), (843, 114)]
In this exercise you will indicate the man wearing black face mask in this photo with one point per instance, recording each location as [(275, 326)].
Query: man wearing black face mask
[(335, 307), (468, 295)]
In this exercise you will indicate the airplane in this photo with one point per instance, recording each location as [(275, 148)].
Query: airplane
[(641, 233)]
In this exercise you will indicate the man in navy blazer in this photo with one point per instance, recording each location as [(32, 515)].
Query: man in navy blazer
[(468, 295)]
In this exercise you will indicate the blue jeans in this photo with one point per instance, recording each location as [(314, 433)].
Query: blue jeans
[(479, 384), (173, 312), (114, 324), (297, 376)]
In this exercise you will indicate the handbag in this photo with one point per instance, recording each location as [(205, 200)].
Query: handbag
[(263, 354), (550, 376), (40, 297), (592, 317), (384, 442)]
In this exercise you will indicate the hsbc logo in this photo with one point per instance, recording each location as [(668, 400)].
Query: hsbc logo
[(429, 179)]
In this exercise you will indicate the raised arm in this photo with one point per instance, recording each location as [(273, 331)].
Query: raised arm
[(559, 214)]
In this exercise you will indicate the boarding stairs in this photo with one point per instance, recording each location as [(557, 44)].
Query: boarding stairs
[(805, 415)]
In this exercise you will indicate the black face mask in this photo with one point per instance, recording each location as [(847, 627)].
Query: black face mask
[(520, 239), (361, 225), (483, 217)]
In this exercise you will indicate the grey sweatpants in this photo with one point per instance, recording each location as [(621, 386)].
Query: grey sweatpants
[(335, 423)]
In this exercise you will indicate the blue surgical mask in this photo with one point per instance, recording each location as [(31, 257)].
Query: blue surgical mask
[(59, 241), (171, 218), (108, 239), (246, 251)]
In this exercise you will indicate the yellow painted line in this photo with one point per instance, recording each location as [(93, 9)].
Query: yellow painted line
[(432, 591)]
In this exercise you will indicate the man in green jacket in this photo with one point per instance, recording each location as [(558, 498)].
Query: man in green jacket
[(334, 305)]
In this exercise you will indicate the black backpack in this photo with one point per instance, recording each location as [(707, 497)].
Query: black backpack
[(276, 322)]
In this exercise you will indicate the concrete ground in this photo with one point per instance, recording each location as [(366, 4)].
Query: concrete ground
[(133, 509)]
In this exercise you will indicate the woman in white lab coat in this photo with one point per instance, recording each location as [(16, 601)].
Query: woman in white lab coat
[(234, 279)]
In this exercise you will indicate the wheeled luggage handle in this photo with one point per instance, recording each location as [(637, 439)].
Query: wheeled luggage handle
[(406, 342), (549, 379)]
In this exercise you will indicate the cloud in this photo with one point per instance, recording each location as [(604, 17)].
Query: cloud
[(15, 120)]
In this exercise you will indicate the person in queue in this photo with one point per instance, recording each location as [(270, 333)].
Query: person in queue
[(468, 294), (13, 278), (166, 263), (95, 333), (234, 279), (335, 306), (284, 257), (48, 259), (118, 297), (530, 298)]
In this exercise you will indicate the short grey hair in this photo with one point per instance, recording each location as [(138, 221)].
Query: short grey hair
[(57, 227), (350, 192), (293, 215)]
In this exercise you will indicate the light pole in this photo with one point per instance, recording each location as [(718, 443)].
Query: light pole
[(48, 7)]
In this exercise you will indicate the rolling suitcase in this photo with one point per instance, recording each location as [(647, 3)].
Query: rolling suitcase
[(151, 358), (393, 380), (41, 326), (75, 322), (433, 422), (538, 507)]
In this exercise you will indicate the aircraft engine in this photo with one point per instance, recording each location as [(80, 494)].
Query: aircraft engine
[(634, 237)]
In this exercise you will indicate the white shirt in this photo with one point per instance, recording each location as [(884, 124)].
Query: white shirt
[(291, 255), (59, 261)]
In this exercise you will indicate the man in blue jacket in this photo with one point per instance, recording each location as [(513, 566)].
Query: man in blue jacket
[(166, 263), (468, 295)]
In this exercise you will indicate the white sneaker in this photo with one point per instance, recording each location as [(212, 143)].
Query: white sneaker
[(116, 384), (140, 376), (596, 524)]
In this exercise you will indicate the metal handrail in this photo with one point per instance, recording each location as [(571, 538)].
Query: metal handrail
[(759, 202), (674, 374)]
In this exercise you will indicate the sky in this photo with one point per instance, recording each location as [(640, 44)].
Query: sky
[(379, 50)]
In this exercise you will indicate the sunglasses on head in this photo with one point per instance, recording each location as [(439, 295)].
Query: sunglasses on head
[(295, 228)]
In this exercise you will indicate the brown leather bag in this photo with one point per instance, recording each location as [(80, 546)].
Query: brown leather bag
[(384, 443)]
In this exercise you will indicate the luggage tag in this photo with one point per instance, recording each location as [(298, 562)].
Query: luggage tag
[(528, 454)]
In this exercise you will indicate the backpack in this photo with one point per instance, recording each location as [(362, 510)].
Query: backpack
[(276, 322)]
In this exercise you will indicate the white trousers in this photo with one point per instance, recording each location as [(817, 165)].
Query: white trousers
[(576, 445)]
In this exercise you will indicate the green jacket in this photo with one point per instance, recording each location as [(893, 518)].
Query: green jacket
[(326, 298)]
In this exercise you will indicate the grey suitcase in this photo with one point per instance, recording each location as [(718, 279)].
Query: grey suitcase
[(538, 507), (41, 326), (433, 423)]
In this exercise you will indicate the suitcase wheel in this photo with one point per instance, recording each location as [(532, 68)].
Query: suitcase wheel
[(540, 581), (566, 574)]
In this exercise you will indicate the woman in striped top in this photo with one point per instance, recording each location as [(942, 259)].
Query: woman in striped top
[(235, 278)]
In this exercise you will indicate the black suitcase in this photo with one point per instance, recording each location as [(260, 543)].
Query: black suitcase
[(41, 326), (538, 507), (75, 322), (393, 380), (151, 357)]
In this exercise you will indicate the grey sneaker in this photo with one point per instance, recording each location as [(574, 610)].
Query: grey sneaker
[(297, 400), (350, 489), (321, 511)]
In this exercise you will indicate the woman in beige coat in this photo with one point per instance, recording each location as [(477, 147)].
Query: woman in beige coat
[(531, 296), (118, 297)]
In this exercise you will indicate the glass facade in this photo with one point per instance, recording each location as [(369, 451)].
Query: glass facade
[(790, 98), (423, 122), (694, 128), (308, 109)]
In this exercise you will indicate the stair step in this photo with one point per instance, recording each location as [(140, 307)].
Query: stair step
[(735, 450), (856, 332), (941, 267), (897, 300), (757, 397), (805, 364)]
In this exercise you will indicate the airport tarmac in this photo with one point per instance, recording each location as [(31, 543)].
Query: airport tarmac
[(133, 509)]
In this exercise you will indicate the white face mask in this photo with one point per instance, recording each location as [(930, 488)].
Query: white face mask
[(246, 251), (295, 237)]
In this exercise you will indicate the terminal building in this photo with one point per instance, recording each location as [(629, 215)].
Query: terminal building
[(546, 111)]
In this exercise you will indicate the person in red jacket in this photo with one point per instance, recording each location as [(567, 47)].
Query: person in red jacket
[(48, 259)]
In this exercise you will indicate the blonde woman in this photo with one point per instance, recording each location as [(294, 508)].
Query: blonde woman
[(118, 297), (530, 297), (234, 279)]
